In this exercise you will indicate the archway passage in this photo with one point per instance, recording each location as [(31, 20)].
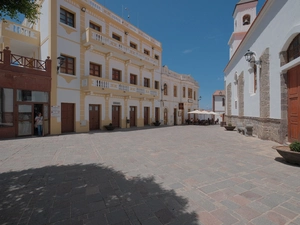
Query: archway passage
[(294, 104)]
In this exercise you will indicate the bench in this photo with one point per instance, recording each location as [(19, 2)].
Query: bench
[(245, 130), (240, 128)]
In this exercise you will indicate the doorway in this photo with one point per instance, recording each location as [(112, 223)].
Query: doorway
[(132, 116), (175, 116), (94, 117), (67, 117), (38, 108), (294, 104), (156, 114), (115, 116), (146, 116), (165, 116)]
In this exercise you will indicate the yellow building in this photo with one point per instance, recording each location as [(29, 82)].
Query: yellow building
[(104, 69)]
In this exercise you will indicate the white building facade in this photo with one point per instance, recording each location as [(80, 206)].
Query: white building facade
[(263, 91), (179, 96)]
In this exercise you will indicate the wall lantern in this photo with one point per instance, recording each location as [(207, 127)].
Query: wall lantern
[(60, 61), (83, 9), (249, 57)]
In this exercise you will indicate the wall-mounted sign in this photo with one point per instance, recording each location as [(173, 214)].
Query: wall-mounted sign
[(116, 103), (55, 111), (190, 100)]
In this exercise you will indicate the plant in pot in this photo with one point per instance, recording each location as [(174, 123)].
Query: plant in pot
[(229, 127), (291, 153), (156, 123), (109, 127)]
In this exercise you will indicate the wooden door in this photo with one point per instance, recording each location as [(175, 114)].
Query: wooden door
[(175, 116), (165, 116), (94, 117), (116, 116), (67, 117), (294, 104), (132, 116), (156, 114), (146, 116)]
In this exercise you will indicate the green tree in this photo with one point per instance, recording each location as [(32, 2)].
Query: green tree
[(12, 9)]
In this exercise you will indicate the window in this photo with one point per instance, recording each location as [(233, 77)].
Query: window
[(67, 18), (146, 82), (116, 75), (117, 37), (183, 92), (190, 93), (6, 107), (246, 19), (293, 51), (156, 57), (32, 96), (223, 102), (133, 78), (68, 65), (156, 83), (95, 70), (165, 89), (146, 52), (175, 91), (95, 27), (133, 45)]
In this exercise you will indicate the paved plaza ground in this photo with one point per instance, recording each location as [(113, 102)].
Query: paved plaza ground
[(175, 175)]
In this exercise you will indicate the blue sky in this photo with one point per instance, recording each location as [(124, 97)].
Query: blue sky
[(194, 35)]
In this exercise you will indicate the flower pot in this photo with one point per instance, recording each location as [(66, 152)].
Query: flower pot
[(109, 127), (229, 128), (156, 124), (288, 155)]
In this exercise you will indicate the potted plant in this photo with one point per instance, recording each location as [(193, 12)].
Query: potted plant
[(109, 127), (156, 123), (290, 153), (229, 127)]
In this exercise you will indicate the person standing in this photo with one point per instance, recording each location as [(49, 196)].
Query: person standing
[(39, 124)]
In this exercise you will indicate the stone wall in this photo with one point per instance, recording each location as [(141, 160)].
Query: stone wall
[(284, 107), (229, 98), (263, 128), (264, 87), (241, 94)]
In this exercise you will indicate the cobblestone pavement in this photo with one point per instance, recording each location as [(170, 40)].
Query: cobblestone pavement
[(166, 175)]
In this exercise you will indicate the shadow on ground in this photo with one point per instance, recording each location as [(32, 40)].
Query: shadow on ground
[(88, 194)]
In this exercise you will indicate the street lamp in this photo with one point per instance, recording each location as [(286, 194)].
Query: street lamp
[(249, 57), (164, 87), (60, 61)]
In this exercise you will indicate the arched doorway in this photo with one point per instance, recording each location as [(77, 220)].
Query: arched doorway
[(165, 116)]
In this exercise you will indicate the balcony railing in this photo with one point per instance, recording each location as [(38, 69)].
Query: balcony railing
[(23, 61), (92, 83), (93, 36)]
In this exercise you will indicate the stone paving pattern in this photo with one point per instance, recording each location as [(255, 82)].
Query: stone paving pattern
[(177, 175)]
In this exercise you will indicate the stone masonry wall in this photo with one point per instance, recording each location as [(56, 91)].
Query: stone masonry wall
[(228, 96), (264, 86), (241, 94)]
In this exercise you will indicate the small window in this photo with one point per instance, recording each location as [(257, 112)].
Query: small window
[(156, 57), (246, 19), (146, 82), (68, 65), (175, 91), (133, 45), (116, 75), (146, 52), (223, 101), (183, 92), (156, 83), (133, 79), (95, 27), (190, 93), (95, 70), (117, 37), (67, 17)]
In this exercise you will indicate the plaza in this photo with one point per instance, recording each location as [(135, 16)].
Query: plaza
[(151, 176)]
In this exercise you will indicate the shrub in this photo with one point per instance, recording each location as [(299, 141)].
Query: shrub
[(295, 146), (230, 125)]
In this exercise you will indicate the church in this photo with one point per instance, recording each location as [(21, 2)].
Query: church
[(262, 77)]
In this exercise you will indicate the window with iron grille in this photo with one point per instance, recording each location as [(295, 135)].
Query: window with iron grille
[(133, 79), (190, 93), (293, 51), (67, 17), (146, 82)]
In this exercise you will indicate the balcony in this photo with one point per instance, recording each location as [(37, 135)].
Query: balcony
[(101, 42), (97, 85)]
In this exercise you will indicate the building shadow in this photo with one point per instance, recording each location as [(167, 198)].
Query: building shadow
[(88, 194)]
